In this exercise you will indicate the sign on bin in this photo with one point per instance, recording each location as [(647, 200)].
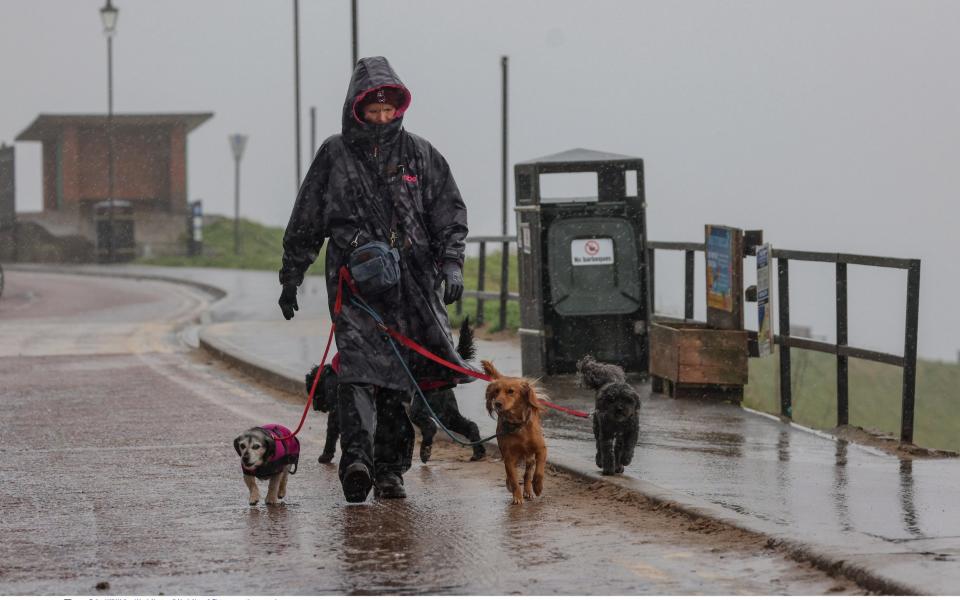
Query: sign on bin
[(593, 251)]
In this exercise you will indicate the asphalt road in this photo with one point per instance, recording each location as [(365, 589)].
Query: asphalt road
[(119, 478)]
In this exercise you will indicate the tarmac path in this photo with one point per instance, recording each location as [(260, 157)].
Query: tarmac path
[(119, 478)]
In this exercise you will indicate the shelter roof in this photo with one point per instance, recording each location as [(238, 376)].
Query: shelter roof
[(579, 155), (47, 125)]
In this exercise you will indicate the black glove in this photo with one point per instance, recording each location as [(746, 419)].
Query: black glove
[(288, 301), (453, 282)]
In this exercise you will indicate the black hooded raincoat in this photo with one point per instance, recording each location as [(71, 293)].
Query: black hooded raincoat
[(368, 183)]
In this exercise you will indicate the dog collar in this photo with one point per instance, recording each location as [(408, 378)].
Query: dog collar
[(507, 426)]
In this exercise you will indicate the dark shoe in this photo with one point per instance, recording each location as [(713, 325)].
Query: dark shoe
[(390, 485), (356, 482), (479, 452), (425, 451), (325, 458)]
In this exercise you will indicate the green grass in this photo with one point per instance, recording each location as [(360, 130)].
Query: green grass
[(874, 395), (261, 248)]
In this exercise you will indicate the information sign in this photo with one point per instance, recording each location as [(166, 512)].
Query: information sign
[(593, 251)]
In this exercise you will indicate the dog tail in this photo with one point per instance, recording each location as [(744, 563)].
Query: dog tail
[(466, 345), (594, 375)]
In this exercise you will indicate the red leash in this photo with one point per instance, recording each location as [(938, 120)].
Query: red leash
[(344, 277), (430, 355), (316, 379)]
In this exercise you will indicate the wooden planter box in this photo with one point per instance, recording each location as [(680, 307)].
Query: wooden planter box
[(690, 359)]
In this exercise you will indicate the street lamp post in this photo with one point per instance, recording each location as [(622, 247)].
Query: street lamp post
[(238, 142), (353, 29), (296, 85), (108, 15)]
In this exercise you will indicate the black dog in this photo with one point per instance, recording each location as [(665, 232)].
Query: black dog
[(444, 405), (616, 421), (443, 402), (325, 400)]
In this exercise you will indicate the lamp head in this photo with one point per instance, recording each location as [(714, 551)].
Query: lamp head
[(108, 14)]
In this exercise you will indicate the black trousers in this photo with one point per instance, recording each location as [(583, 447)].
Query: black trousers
[(374, 429), (444, 405)]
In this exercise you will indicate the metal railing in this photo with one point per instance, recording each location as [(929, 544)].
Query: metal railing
[(841, 349), (504, 295)]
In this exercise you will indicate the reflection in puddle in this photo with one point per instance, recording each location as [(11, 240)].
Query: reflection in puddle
[(906, 498), (840, 486)]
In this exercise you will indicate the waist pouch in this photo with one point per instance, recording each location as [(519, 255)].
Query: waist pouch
[(375, 268)]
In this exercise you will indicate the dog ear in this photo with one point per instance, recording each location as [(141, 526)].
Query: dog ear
[(236, 444), (490, 395), (271, 447), (490, 370), (600, 401), (529, 393)]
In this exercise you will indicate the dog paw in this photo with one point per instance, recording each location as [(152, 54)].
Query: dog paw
[(425, 451), (619, 469), (528, 495), (517, 500), (609, 471), (324, 458), (253, 502)]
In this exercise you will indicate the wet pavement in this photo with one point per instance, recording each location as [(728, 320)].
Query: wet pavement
[(891, 522), (119, 478)]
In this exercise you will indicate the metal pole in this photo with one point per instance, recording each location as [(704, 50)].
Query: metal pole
[(236, 206), (353, 28), (481, 281), (110, 244), (910, 352), (783, 282), (504, 284), (296, 82), (313, 131), (503, 151), (843, 386)]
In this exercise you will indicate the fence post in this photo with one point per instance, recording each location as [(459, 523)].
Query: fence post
[(910, 352), (688, 284), (843, 396), (783, 282), (481, 277), (504, 284)]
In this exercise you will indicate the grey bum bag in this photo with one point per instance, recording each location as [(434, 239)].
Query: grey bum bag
[(375, 268)]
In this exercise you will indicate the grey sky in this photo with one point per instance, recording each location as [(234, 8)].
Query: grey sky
[(832, 125)]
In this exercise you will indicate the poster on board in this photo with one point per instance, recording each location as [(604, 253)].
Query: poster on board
[(719, 268)]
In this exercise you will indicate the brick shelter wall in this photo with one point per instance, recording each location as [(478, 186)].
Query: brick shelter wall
[(149, 167)]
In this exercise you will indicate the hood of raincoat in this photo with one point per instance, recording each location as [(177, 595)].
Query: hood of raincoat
[(369, 75)]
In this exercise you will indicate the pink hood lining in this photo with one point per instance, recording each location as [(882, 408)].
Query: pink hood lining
[(407, 98)]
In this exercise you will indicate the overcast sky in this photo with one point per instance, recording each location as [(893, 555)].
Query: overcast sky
[(831, 125)]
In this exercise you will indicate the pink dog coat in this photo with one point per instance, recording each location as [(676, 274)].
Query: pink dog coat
[(280, 452)]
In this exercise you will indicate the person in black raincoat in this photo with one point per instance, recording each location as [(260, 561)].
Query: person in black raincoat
[(377, 182)]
